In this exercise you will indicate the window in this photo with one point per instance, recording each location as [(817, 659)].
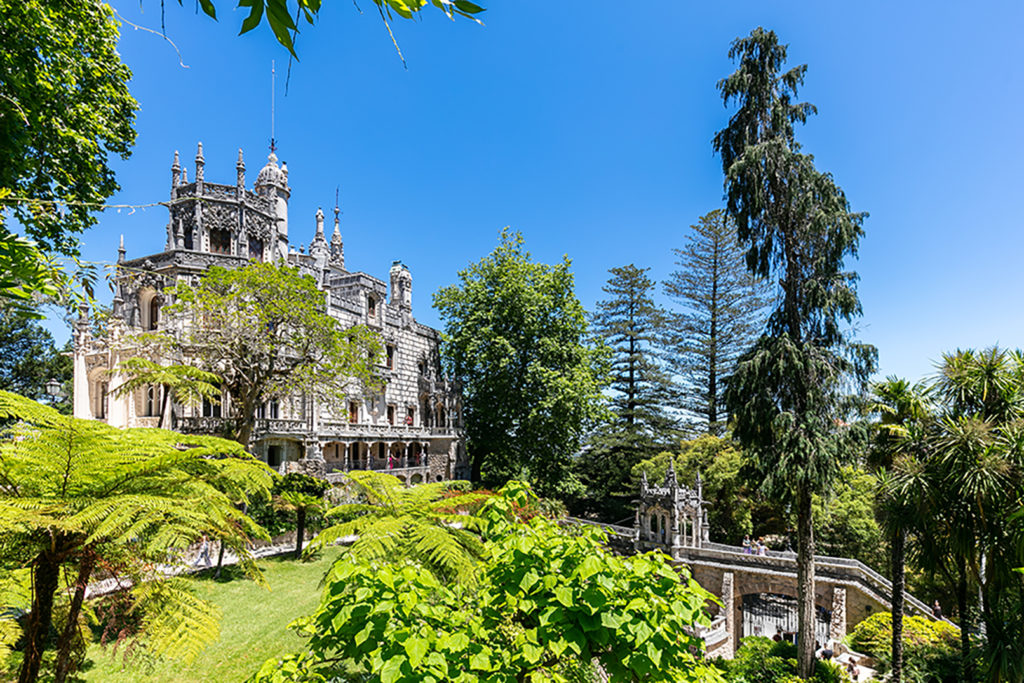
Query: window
[(268, 409), (410, 417), (274, 456), (353, 412), (220, 241), (101, 409), (154, 313), (152, 407), (210, 409), (391, 415), (255, 249), (188, 239), (391, 357), (371, 306), (423, 368)]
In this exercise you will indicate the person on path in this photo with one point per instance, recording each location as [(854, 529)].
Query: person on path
[(204, 552), (937, 610), (746, 545)]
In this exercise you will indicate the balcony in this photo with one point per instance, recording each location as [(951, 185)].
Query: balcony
[(397, 432), (216, 425)]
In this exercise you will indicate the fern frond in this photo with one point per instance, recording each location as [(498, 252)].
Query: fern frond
[(177, 623)]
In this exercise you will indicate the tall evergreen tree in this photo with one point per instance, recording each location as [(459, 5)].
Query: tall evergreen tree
[(30, 359), (630, 324), (787, 393), (723, 312)]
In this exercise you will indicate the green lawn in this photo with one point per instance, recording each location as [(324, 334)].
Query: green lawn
[(253, 627)]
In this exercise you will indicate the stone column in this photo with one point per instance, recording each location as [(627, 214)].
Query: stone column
[(347, 464), (837, 626), (732, 635)]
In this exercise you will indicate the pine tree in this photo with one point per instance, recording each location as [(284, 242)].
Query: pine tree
[(630, 324), (787, 393), (723, 311)]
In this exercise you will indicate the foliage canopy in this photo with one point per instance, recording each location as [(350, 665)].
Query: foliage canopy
[(516, 337)]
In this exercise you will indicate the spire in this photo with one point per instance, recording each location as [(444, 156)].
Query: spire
[(175, 171), (700, 487), (643, 481), (670, 476), (240, 167), (120, 251), (200, 163), (337, 248), (319, 223), (184, 176)]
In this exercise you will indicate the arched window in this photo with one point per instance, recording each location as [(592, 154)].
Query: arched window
[(152, 407), (154, 314)]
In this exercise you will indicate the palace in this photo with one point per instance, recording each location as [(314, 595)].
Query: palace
[(413, 430)]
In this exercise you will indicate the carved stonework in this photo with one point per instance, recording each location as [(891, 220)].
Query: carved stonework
[(297, 431), (837, 626), (728, 650), (222, 216)]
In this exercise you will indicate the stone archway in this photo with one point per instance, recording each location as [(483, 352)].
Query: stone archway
[(765, 614)]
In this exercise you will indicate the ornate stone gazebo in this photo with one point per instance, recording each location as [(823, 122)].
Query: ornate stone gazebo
[(670, 517)]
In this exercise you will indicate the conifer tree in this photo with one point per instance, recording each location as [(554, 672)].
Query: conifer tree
[(722, 312), (786, 394), (630, 324)]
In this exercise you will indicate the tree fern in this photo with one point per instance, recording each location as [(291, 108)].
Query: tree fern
[(422, 523), (74, 489)]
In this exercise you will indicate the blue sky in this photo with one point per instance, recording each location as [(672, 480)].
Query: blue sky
[(587, 126)]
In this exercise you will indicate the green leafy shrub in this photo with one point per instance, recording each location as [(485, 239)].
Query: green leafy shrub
[(544, 602), (762, 660), (930, 648)]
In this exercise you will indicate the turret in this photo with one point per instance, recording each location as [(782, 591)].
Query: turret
[(272, 182), (401, 286), (670, 476)]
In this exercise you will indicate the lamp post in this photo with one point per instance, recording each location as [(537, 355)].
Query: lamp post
[(55, 390)]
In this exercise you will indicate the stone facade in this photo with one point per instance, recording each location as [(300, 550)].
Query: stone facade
[(412, 430), (671, 516)]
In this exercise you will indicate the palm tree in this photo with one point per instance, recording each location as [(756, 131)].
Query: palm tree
[(979, 479), (897, 456), (427, 523), (76, 492)]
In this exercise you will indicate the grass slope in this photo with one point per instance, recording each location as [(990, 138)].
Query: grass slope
[(253, 627)]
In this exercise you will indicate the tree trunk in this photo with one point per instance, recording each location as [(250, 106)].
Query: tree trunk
[(962, 606), (220, 559), (67, 638), (44, 582), (165, 408), (300, 531), (899, 539), (805, 585)]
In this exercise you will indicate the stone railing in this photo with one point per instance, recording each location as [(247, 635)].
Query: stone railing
[(279, 426), (336, 474), (714, 632), (397, 432), (201, 425)]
